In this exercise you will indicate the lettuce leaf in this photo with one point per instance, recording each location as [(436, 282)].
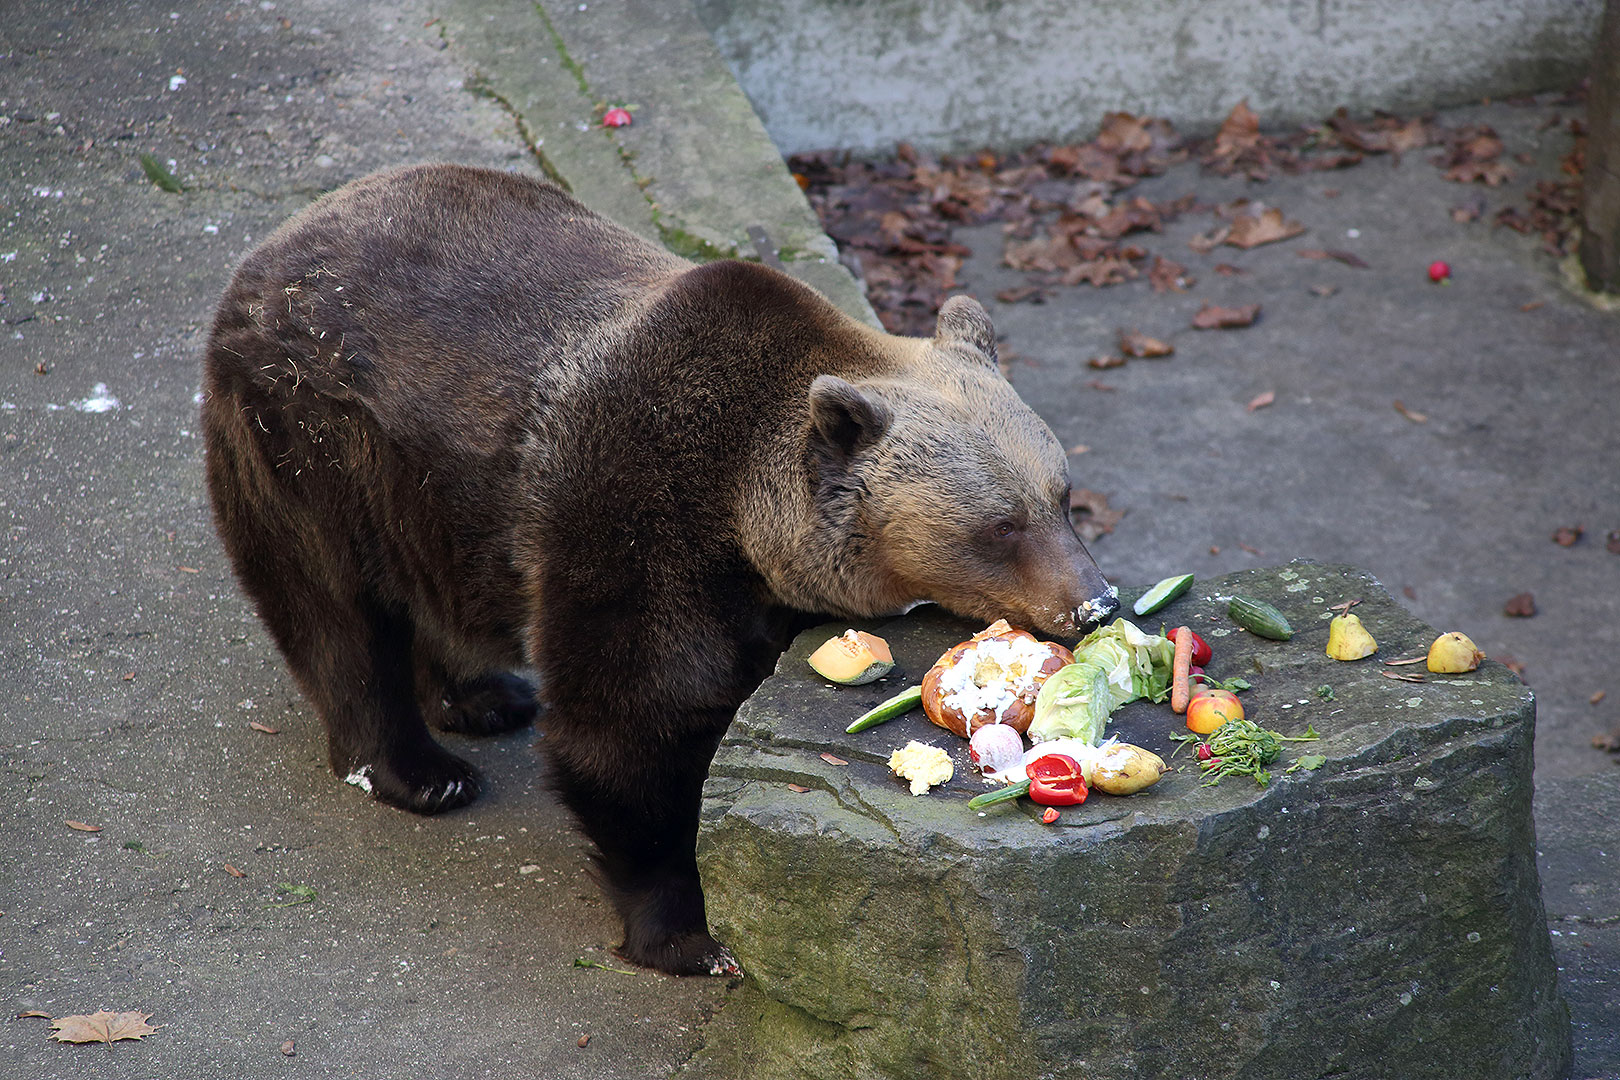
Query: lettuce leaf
[(1114, 664)]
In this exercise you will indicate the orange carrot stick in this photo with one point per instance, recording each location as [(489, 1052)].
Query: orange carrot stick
[(1181, 671)]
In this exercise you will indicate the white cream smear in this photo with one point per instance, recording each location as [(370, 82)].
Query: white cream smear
[(993, 674)]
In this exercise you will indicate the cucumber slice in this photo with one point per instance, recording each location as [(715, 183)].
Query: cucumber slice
[(899, 705), (1162, 593)]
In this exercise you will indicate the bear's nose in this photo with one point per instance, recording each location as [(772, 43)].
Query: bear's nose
[(1091, 613)]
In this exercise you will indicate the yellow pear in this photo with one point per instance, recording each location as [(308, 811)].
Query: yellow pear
[(1348, 639), (1452, 653)]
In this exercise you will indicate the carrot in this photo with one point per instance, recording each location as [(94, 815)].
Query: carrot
[(1181, 671)]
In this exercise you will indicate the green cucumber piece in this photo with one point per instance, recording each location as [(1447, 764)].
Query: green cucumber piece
[(1259, 618), (882, 713), (1162, 593), (1006, 794)]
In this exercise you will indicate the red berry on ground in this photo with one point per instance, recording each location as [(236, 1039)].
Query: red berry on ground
[(1439, 271), (616, 117)]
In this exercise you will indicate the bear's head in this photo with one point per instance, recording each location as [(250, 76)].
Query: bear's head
[(950, 488)]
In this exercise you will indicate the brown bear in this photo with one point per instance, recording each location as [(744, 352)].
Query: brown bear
[(458, 424)]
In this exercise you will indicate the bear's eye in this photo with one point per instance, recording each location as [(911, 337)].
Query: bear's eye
[(1003, 530)]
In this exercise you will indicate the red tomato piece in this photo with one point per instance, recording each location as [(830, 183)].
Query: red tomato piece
[(1049, 815)]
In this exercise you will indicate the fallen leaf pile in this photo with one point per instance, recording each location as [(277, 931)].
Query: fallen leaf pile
[(1060, 205), (1555, 205), (1070, 219)]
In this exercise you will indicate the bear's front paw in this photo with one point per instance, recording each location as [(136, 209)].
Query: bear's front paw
[(491, 705), (693, 953), (430, 781)]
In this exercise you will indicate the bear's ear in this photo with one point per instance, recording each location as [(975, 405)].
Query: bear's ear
[(961, 318), (843, 420)]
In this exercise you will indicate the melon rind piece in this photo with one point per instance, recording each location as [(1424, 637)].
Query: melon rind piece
[(853, 658)]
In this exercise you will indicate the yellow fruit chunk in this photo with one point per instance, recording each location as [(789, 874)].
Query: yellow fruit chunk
[(853, 658), (1348, 639), (925, 766), (1452, 653)]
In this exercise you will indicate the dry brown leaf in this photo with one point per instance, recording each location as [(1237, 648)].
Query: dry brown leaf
[(1402, 676), (1521, 606), (1136, 343), (1411, 414), (1098, 384), (1511, 663), (1020, 293), (290, 1048), (128, 676), (1103, 363), (800, 788), (1079, 448), (82, 827), (102, 1027), (33, 1013), (1567, 535), (189, 570), (1210, 317), (1252, 550), (233, 871), (1100, 272), (266, 728), (1532, 305), (1228, 270), (1093, 516), (1597, 697), (833, 759), (1249, 231), (1349, 258), (1260, 401), (1206, 242), (1166, 275)]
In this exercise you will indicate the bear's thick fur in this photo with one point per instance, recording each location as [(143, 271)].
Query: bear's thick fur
[(458, 424)]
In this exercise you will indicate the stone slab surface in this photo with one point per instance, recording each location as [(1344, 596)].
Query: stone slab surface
[(1377, 917)]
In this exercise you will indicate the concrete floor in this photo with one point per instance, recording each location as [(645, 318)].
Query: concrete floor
[(135, 669)]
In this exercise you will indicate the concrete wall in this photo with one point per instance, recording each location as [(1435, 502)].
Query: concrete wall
[(957, 74)]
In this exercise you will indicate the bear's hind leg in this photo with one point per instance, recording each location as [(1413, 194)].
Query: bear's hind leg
[(377, 739), (490, 704), (642, 814), (351, 655)]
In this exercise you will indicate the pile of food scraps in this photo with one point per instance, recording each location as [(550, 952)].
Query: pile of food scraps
[(1003, 686)]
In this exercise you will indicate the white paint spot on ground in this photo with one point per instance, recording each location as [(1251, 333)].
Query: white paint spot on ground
[(99, 401), (176, 82), (360, 778)]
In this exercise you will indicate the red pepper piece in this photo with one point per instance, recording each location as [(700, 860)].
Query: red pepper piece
[(1204, 752), (1056, 780), (1049, 815), (1201, 652)]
